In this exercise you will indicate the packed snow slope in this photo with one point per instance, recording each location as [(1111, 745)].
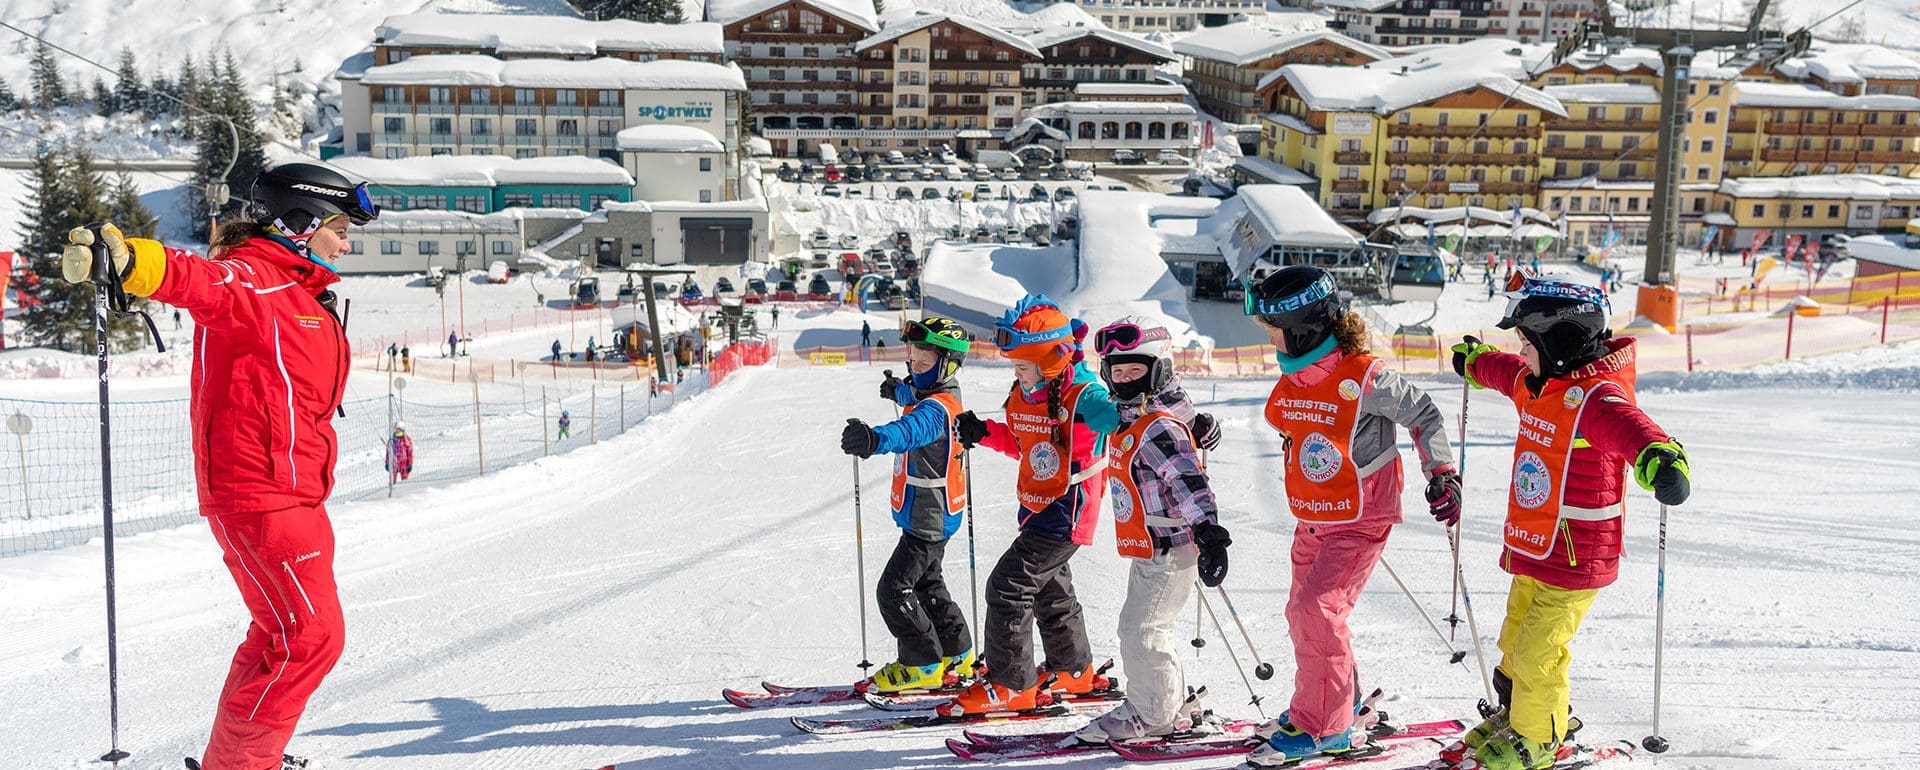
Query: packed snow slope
[(587, 609)]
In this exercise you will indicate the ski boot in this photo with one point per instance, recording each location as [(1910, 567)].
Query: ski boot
[(984, 697), (1289, 746), (962, 667), (1365, 718), (1493, 720), (1084, 681), (1509, 750), (1123, 724), (898, 677), (287, 762)]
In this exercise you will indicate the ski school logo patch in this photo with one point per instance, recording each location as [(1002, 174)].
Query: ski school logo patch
[(1126, 443), (1349, 389), (1044, 460), (1575, 395), (1531, 484), (1122, 502), (1319, 458)]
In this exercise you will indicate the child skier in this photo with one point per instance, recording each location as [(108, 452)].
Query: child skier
[(1057, 414), (400, 453), (566, 424), (1336, 406), (1579, 428), (929, 497), (1164, 520)]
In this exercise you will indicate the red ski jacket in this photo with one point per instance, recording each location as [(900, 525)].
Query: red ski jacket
[(1587, 553), (270, 363)]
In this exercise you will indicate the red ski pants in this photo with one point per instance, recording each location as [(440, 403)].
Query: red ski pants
[(1330, 566), (283, 565)]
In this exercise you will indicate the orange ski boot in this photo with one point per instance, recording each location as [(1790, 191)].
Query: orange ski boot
[(984, 697), (1084, 681)]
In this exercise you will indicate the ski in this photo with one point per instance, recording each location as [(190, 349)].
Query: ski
[(1383, 733), (1573, 756), (810, 697), (1053, 744), (882, 724), (929, 700), (1005, 739), (782, 689)]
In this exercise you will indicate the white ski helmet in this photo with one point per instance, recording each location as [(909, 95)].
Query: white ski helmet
[(1135, 340)]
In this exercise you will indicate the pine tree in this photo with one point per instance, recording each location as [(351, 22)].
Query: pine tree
[(187, 87), (103, 101), (67, 193), (223, 94), (129, 93), (8, 102), (157, 103), (133, 217), (49, 89)]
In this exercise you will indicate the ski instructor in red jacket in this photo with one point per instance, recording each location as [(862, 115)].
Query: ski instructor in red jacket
[(270, 364)]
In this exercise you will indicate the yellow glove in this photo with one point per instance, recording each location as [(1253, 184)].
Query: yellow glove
[(1463, 355), (138, 263)]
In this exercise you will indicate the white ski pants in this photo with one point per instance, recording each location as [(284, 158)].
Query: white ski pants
[(1157, 591)]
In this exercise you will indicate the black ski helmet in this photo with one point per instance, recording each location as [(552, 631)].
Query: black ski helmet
[(1565, 322), (1301, 302), (298, 197)]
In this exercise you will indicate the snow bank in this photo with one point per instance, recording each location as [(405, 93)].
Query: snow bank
[(527, 34), (1890, 368), (1121, 271), (478, 70)]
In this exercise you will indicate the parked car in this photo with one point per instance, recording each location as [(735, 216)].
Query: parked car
[(819, 261), (1117, 187), (875, 253), (953, 173), (1059, 172), (850, 265), (930, 194), (882, 264), (1169, 157), (1084, 173), (1012, 234), (909, 266), (856, 192), (1063, 193), (896, 157), (786, 291), (1040, 234), (983, 192), (831, 190), (497, 271), (785, 172), (586, 292), (756, 291), (820, 239), (1038, 193), (903, 175), (892, 297), (982, 235), (1033, 173), (903, 193), (926, 173), (1010, 173), (1126, 157), (807, 173), (902, 239), (818, 290), (832, 173), (849, 241), (981, 173)]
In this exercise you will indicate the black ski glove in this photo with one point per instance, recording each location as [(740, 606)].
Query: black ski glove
[(859, 440), (1213, 541), (970, 429), (1206, 431), (1662, 468), (1443, 497), (890, 387)]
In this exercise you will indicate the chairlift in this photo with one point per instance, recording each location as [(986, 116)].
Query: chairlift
[(1419, 275)]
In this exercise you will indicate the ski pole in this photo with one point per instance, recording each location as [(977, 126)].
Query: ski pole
[(1455, 656), (1261, 670), (860, 560), (1657, 743), (1453, 612), (1255, 702), (973, 568), (1473, 626)]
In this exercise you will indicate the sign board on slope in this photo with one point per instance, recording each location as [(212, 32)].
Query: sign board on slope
[(828, 359)]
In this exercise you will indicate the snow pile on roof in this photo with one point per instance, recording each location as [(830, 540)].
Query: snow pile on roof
[(1803, 95), (1622, 60), (522, 34), (1282, 215), (1455, 214), (1071, 109), (1031, 124), (1827, 186), (1273, 171), (859, 12), (1604, 93), (1046, 36), (1493, 55), (895, 29), (478, 70), (1013, 17), (667, 138), (483, 170), (1121, 271), (1246, 42), (1128, 89), (1852, 63), (1384, 92), (1884, 249)]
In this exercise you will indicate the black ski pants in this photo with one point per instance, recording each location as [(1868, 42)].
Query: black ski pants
[(914, 602), (1033, 584)]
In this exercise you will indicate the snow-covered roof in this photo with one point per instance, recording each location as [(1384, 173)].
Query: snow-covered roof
[(1852, 63), (895, 29), (483, 170), (1246, 42), (523, 34), (1824, 186), (1031, 124), (1455, 214), (447, 221), (667, 137), (1128, 89), (1384, 92), (859, 12), (1803, 95), (1049, 35), (1492, 55), (1593, 183), (1369, 6), (1293, 218), (1604, 93), (478, 70), (1290, 122), (1622, 60), (1884, 249), (1070, 109)]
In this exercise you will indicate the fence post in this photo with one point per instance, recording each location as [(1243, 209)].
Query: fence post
[(593, 413), (545, 446), (1885, 304), (479, 443), (623, 406), (1790, 315), (1689, 347)]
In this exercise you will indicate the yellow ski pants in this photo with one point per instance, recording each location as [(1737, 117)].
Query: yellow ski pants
[(1541, 620)]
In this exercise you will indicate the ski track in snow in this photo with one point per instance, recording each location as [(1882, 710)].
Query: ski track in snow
[(574, 612)]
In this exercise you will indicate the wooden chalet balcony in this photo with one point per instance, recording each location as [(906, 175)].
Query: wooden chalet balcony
[(1882, 129), (1500, 132), (1905, 156), (1491, 188), (1350, 185), (803, 109), (1359, 213), (1642, 152), (758, 84), (796, 36), (1739, 156), (1357, 158), (1742, 126), (1464, 157), (1641, 126), (957, 109)]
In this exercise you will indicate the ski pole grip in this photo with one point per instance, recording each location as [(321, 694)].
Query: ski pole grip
[(102, 261)]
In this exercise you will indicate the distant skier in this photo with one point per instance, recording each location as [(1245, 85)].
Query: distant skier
[(1573, 385), (453, 344), (929, 497), (393, 356), (272, 361), (556, 350), (406, 359), (1335, 407), (866, 335), (1057, 418), (566, 424), (400, 452), (776, 317), (1165, 521)]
